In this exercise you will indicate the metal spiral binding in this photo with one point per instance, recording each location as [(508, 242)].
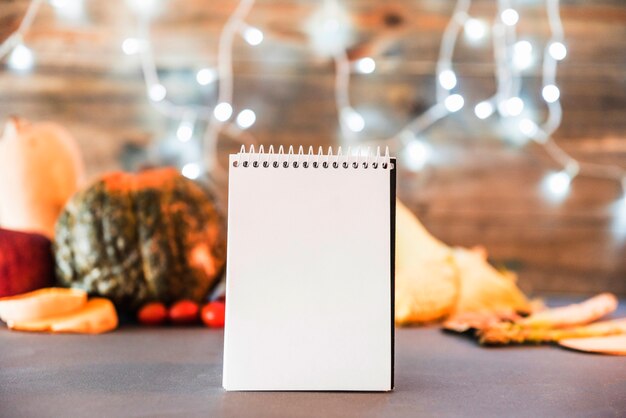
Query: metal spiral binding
[(281, 159)]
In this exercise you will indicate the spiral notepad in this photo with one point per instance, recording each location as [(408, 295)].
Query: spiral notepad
[(309, 280)]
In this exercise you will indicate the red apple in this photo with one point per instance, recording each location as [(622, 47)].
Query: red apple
[(26, 262)]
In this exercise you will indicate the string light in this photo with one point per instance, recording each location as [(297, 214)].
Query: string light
[(186, 128), (223, 111), (528, 127), (206, 76), (550, 93), (557, 50), (69, 9), (21, 58), (417, 154), (447, 79), (131, 46), (475, 29), (144, 8), (483, 110), (246, 118), (509, 17), (523, 54), (157, 92), (253, 36), (513, 106), (366, 65), (558, 184), (353, 120), (329, 30), (191, 171), (454, 103)]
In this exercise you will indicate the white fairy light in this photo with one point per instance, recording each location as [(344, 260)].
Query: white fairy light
[(157, 92), (483, 110), (353, 120), (223, 111), (246, 118), (131, 46), (69, 9), (550, 93), (522, 54), (185, 130), (334, 22), (475, 29), (454, 103), (21, 58), (557, 50), (252, 35), (528, 127), (184, 133), (509, 17), (416, 154), (557, 184), (191, 171), (447, 79), (329, 28), (366, 65), (144, 8), (206, 76), (513, 106)]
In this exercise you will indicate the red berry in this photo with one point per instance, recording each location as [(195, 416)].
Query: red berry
[(213, 314), (184, 312), (153, 313)]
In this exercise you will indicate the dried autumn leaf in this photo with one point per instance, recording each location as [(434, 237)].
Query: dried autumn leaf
[(613, 345), (515, 333), (485, 289), (576, 314)]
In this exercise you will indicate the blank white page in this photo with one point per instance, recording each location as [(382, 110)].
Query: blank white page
[(308, 286)]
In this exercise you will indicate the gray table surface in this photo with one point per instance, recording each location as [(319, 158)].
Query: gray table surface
[(177, 372)]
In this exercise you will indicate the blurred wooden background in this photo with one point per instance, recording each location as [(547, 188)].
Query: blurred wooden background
[(481, 189)]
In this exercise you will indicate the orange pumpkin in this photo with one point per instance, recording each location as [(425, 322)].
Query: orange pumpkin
[(40, 168)]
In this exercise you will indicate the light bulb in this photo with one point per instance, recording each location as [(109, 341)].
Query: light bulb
[(483, 110), (416, 154), (513, 106), (184, 131), (454, 103), (550, 93), (509, 17), (206, 76), (366, 65), (522, 54), (157, 92), (558, 184), (447, 79), (353, 120), (69, 9), (253, 36), (223, 111), (246, 118), (145, 8), (475, 29), (528, 127), (191, 171), (131, 46), (21, 58), (557, 50)]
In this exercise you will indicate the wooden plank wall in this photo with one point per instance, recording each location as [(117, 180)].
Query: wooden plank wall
[(480, 190)]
